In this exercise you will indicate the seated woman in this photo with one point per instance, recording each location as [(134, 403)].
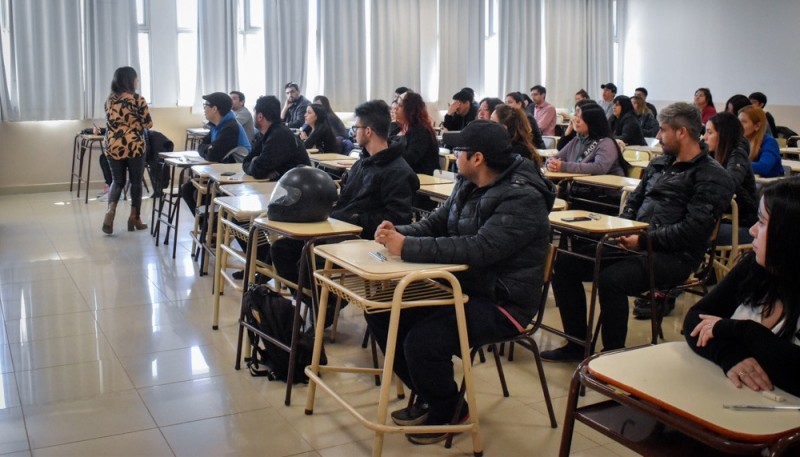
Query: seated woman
[(727, 145), (321, 135), (748, 324), (736, 103), (624, 124), (593, 151), (569, 132), (705, 103), (764, 151), (516, 122), (336, 124), (421, 149), (647, 122)]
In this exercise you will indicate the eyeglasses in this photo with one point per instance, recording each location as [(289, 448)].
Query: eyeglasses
[(206, 105), (457, 151), (356, 127)]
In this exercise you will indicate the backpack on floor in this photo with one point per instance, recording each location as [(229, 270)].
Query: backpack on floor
[(273, 315)]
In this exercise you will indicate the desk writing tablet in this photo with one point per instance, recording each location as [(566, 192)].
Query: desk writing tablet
[(440, 191), (426, 180), (600, 224), (328, 156), (562, 175), (672, 376), (250, 188), (329, 227), (610, 181)]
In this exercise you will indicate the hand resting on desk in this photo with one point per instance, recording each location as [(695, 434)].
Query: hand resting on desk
[(390, 238)]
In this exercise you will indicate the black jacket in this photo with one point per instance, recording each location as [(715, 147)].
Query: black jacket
[(627, 129), (227, 139), (157, 142), (456, 122), (275, 153), (681, 202), (501, 231), (420, 149), (377, 188), (295, 115), (741, 170), (323, 138), (735, 340)]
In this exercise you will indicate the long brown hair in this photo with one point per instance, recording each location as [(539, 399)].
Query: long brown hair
[(516, 122), (415, 113), (756, 116)]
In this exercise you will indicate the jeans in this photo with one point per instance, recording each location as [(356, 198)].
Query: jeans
[(619, 279), (427, 340), (135, 169)]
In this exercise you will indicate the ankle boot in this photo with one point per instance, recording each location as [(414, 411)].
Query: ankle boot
[(108, 220), (135, 222)]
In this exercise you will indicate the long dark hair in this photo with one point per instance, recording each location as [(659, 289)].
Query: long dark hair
[(595, 118), (737, 102), (323, 100), (322, 114), (415, 113), (707, 93), (124, 81), (729, 133), (625, 103), (778, 279)]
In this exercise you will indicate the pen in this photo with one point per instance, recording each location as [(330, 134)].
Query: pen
[(762, 407), (378, 255)]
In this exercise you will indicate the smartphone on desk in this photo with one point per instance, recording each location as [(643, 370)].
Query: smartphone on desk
[(576, 219), (228, 173)]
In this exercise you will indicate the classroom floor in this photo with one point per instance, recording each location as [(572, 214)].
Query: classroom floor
[(106, 348)]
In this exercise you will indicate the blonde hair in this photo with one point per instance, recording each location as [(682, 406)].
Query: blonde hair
[(758, 118)]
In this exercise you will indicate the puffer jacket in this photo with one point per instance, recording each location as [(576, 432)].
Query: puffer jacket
[(501, 231), (741, 170), (378, 188), (682, 202), (628, 130)]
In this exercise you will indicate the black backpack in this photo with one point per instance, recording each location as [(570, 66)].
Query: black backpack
[(273, 315)]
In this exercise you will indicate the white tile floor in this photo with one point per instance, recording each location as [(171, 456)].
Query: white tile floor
[(106, 348)]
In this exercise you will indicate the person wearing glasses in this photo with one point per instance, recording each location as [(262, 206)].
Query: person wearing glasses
[(379, 187), (294, 108), (496, 222)]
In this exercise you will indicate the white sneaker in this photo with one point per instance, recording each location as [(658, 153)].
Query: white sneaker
[(103, 197)]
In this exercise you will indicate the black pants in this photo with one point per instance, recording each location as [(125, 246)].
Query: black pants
[(107, 176), (619, 279), (134, 166), (427, 340)]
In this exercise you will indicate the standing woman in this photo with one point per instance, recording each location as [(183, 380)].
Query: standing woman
[(728, 147), (421, 149), (321, 135), (748, 324), (625, 124), (705, 103), (127, 116), (764, 151)]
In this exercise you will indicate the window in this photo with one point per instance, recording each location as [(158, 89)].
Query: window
[(187, 51), (491, 75), (250, 50), (143, 23)]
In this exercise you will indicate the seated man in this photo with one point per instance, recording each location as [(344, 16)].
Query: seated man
[(460, 112), (294, 109), (226, 141), (277, 149), (379, 187), (682, 194), (495, 222)]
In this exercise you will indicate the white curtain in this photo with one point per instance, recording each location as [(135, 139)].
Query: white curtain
[(7, 107), (395, 53), (520, 55), (46, 50), (111, 42), (599, 25), (216, 47), (285, 44), (461, 36), (343, 47), (567, 57)]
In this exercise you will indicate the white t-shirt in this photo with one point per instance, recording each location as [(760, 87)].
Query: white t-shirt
[(753, 313)]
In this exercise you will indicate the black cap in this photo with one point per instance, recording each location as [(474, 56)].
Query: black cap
[(610, 86), (221, 100), (485, 136)]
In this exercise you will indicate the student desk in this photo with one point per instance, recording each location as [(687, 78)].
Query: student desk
[(427, 180), (81, 144), (794, 165), (170, 196), (547, 152), (667, 400), (217, 174), (236, 214), (610, 182), (250, 188), (194, 137), (787, 152), (388, 285), (317, 158), (557, 176), (437, 192), (310, 233), (338, 165), (600, 229)]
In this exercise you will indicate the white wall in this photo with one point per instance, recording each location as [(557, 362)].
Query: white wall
[(730, 46)]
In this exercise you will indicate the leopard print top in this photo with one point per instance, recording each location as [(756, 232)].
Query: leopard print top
[(127, 116)]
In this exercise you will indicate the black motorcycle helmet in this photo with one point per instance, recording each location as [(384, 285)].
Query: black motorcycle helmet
[(303, 194)]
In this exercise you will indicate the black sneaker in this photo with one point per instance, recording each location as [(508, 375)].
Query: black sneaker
[(567, 353), (415, 414), (432, 438), (238, 274)]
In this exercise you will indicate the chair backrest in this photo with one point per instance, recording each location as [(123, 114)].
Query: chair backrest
[(631, 154), (444, 174), (550, 142), (651, 141), (547, 277)]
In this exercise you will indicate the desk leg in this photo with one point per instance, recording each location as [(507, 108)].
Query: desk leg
[(249, 277), (461, 319), (222, 232), (74, 156), (319, 333), (206, 236), (89, 172), (575, 387), (388, 371), (590, 336)]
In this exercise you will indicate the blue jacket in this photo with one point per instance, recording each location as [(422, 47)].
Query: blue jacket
[(768, 164), (222, 138)]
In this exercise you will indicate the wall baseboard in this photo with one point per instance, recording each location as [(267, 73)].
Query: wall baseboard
[(50, 187)]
